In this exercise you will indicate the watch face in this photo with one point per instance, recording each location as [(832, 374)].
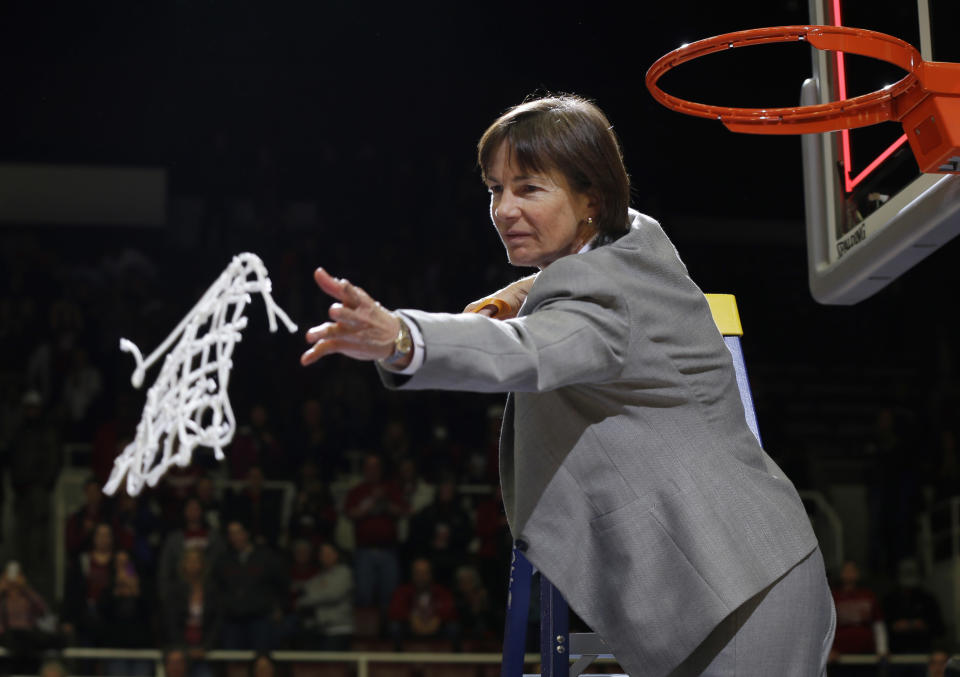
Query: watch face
[(404, 344)]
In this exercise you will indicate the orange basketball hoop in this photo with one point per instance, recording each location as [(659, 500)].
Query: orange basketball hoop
[(926, 100)]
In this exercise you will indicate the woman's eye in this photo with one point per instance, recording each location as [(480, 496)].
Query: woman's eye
[(494, 190), (530, 188)]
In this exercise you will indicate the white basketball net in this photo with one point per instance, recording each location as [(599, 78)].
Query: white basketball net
[(188, 404)]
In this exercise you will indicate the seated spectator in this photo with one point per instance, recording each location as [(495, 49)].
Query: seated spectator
[(912, 614), (53, 668), (421, 608), (213, 514), (314, 515), (191, 613), (303, 567), (256, 445), (21, 610), (194, 534), (136, 529), (81, 523), (176, 663), (252, 587), (474, 613), (441, 531), (126, 618), (257, 507), (326, 605), (860, 628), (374, 506), (263, 666), (90, 576)]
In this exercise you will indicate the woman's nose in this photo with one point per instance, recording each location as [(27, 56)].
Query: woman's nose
[(507, 206)]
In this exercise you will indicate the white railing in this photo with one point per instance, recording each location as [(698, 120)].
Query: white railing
[(362, 660)]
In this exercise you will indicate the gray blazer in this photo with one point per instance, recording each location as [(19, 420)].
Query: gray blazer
[(627, 466)]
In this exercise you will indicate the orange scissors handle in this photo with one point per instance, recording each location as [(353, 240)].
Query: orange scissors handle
[(501, 305)]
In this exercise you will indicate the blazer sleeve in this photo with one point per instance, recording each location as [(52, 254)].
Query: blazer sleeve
[(574, 328)]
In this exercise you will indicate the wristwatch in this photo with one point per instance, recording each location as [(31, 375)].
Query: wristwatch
[(402, 345)]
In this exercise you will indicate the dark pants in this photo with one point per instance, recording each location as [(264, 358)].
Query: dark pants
[(247, 633)]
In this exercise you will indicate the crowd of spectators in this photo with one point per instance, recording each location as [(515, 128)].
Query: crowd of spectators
[(227, 571)]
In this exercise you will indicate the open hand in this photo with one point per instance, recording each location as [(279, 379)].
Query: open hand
[(360, 328)]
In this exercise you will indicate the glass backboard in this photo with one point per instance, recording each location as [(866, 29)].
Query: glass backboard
[(871, 214)]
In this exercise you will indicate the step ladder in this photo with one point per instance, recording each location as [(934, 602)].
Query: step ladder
[(557, 645)]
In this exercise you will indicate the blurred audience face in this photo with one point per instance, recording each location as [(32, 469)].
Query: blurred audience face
[(467, 579), (328, 556), (238, 536), (850, 574), (175, 663), (205, 489), (302, 552), (192, 513), (446, 491), (103, 538), (937, 665), (255, 478), (372, 470), (56, 669), (92, 494), (308, 472), (408, 470), (312, 414), (422, 575), (441, 536), (263, 667), (258, 416)]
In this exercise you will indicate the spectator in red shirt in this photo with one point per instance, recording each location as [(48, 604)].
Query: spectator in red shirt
[(422, 609), (374, 506), (860, 628), (256, 445), (91, 576)]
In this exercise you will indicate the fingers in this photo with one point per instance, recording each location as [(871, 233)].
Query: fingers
[(328, 338), (340, 289), (347, 317), (488, 310), (325, 330), (328, 283), (319, 350)]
